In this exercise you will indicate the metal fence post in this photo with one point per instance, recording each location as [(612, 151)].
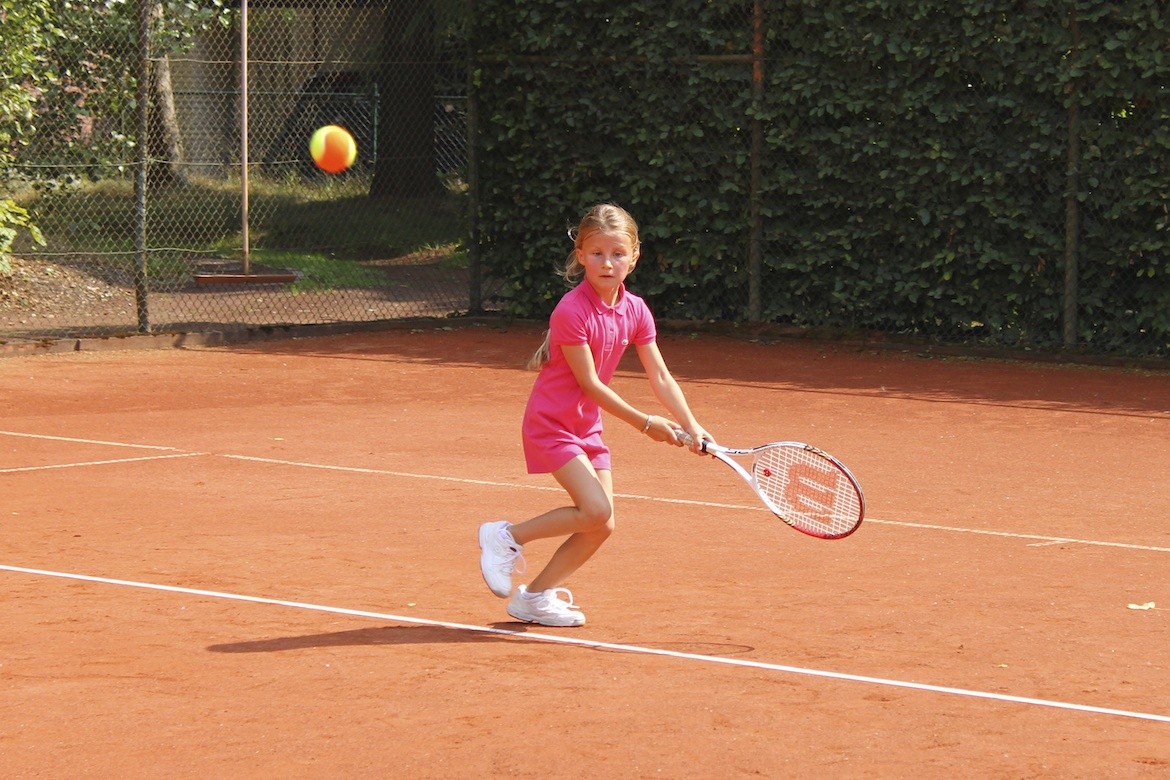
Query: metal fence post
[(756, 242), (1071, 208), (140, 270)]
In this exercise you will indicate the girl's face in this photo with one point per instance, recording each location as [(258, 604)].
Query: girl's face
[(607, 259)]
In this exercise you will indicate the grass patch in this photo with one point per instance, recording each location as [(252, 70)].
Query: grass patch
[(322, 227), (321, 272)]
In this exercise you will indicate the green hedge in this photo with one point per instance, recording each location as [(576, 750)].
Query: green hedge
[(913, 167)]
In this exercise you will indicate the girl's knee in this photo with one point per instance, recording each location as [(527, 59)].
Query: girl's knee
[(606, 528), (598, 516)]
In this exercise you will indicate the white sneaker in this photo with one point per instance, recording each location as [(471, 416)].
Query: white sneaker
[(499, 555), (545, 608)]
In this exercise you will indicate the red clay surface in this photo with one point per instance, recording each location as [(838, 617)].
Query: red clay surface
[(1014, 514)]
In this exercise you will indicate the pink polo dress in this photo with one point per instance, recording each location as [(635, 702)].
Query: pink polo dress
[(560, 421)]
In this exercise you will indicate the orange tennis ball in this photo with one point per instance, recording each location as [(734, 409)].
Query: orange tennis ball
[(333, 148)]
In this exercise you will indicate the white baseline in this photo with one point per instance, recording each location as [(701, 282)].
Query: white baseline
[(1037, 540), (591, 643)]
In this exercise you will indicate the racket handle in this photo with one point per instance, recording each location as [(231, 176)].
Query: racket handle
[(687, 439)]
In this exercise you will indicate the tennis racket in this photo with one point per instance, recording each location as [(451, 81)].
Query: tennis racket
[(808, 489)]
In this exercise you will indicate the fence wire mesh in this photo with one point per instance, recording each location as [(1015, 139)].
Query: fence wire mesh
[(976, 172), (230, 227)]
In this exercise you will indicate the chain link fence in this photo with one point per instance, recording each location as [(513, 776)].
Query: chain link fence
[(973, 172), (968, 172), (221, 219)]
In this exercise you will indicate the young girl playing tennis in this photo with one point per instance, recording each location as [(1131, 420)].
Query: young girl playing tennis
[(589, 330)]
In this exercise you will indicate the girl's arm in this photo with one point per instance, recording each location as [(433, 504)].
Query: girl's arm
[(667, 390), (580, 360)]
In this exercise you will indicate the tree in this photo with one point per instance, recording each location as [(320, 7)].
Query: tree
[(86, 80), (25, 39), (175, 25), (165, 139), (406, 86)]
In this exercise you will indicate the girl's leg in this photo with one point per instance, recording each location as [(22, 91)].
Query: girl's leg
[(592, 504), (589, 522)]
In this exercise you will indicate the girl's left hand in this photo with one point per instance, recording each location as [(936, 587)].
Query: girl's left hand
[(698, 435)]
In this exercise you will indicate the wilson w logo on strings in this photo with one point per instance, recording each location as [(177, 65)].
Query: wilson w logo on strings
[(811, 488)]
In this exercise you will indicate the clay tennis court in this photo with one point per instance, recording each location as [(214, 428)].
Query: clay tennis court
[(260, 561)]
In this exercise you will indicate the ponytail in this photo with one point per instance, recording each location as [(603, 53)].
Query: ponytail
[(541, 356)]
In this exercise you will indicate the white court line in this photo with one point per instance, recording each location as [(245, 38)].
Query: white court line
[(469, 481), (87, 441), (1011, 535), (692, 502), (1042, 540), (591, 643), (100, 462)]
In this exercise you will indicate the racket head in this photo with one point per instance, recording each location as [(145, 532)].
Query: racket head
[(807, 488)]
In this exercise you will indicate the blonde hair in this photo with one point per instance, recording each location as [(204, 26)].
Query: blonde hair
[(602, 218)]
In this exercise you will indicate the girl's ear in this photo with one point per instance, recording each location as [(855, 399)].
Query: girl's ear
[(634, 259)]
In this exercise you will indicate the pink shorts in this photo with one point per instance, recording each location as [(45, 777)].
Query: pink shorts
[(547, 454)]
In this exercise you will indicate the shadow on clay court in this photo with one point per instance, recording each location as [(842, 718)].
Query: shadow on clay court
[(381, 635), (417, 635), (835, 368)]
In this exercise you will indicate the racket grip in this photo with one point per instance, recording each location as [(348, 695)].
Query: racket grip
[(687, 439)]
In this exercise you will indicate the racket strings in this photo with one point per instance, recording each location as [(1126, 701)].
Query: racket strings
[(808, 490)]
